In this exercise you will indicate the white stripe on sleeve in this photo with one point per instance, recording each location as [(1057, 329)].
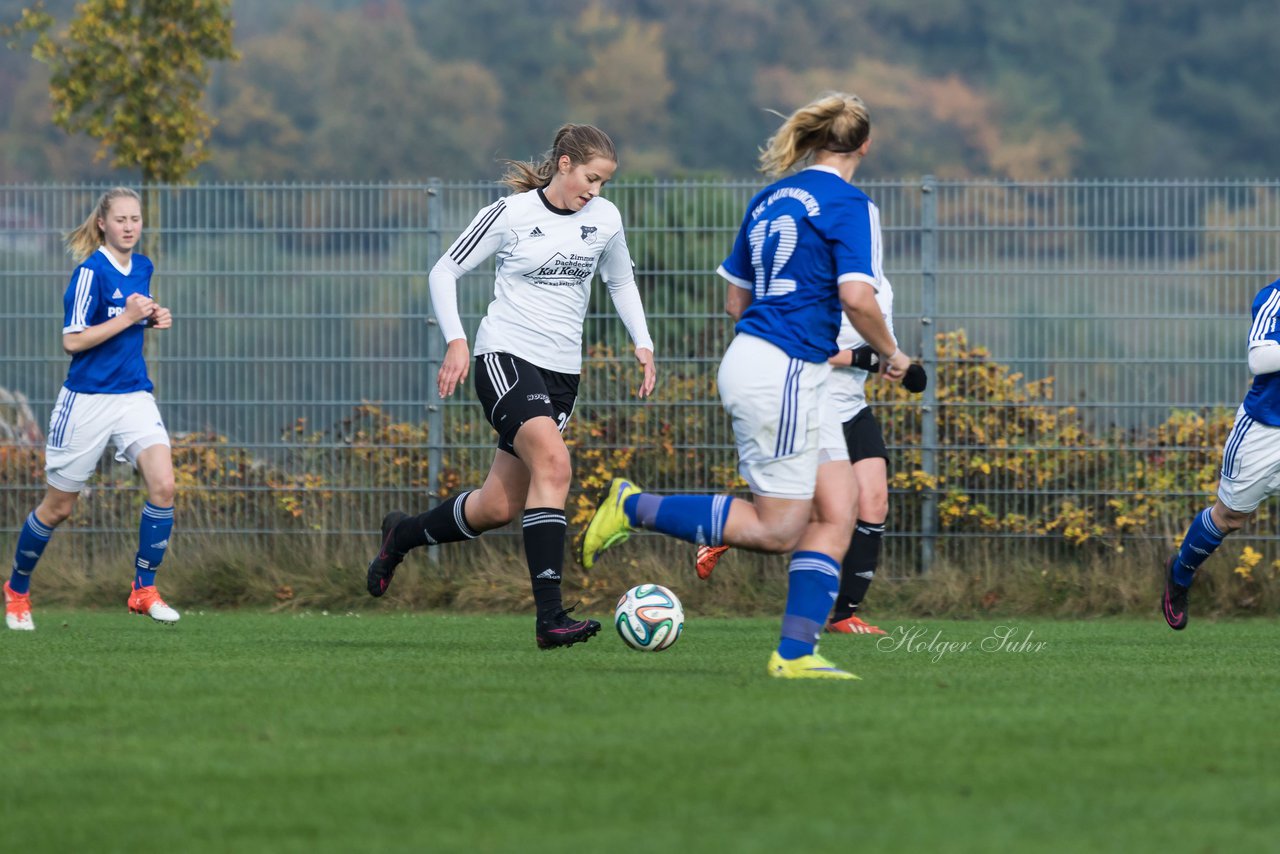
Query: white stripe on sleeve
[(1265, 320), (80, 308)]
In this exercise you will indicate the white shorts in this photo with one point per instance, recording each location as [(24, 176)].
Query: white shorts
[(1250, 464), (783, 420), (82, 425)]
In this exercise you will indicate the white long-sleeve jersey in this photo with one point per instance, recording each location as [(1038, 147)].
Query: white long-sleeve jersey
[(546, 260)]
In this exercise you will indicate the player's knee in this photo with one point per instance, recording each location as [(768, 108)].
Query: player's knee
[(873, 506), (54, 512), (874, 510), (556, 475), (1233, 521), (551, 469), (161, 494)]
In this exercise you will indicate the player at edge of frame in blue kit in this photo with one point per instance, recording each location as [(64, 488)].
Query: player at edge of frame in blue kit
[(106, 399), (808, 248), (1250, 461), (549, 237)]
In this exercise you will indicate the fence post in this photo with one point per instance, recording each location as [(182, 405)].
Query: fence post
[(929, 345), (435, 355)]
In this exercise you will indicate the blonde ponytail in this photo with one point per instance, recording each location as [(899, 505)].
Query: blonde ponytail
[(836, 121)]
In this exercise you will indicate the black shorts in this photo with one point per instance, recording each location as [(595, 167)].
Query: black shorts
[(512, 391), (863, 438)]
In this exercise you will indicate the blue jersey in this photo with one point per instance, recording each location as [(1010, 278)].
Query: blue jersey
[(802, 237), (97, 293), (1262, 402)]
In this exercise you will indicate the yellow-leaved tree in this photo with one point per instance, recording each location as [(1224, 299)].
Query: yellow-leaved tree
[(131, 74)]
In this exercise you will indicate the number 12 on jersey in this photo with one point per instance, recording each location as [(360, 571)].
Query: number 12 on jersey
[(772, 242)]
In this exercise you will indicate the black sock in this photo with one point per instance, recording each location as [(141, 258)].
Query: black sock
[(544, 536), (858, 568), (444, 523)]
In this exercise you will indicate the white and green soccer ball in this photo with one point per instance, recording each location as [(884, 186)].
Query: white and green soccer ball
[(649, 618)]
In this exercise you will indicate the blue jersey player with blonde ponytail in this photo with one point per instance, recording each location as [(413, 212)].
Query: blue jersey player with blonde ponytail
[(808, 248), (106, 399)]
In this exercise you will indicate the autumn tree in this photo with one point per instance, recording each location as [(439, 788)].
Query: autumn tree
[(354, 95), (625, 88), (131, 74)]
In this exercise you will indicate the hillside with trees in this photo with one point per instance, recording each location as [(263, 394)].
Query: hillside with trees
[(394, 90)]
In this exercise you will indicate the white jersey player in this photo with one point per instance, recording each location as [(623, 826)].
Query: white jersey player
[(550, 239)]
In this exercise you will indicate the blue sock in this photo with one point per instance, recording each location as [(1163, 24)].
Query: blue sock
[(31, 542), (812, 581), (153, 540), (1201, 540), (693, 518)]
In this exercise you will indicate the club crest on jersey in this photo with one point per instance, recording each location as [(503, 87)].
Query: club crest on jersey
[(588, 234)]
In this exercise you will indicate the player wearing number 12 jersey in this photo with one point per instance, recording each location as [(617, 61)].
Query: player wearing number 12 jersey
[(808, 247)]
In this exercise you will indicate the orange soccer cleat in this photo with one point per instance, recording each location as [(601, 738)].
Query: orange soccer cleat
[(851, 625), (17, 610), (708, 557), (145, 600)]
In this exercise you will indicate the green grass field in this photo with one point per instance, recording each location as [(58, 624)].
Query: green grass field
[(241, 731)]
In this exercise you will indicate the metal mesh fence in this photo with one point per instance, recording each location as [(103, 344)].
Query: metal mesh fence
[(1085, 342)]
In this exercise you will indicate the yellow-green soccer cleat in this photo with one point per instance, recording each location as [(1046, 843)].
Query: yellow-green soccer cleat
[(806, 667), (609, 525)]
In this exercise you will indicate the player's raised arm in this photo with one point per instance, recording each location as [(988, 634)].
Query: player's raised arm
[(137, 309)]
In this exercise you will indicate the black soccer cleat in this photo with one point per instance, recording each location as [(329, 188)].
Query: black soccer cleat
[(383, 567), (1175, 598), (560, 630)]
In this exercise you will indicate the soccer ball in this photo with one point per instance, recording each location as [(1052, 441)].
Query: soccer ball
[(649, 618)]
